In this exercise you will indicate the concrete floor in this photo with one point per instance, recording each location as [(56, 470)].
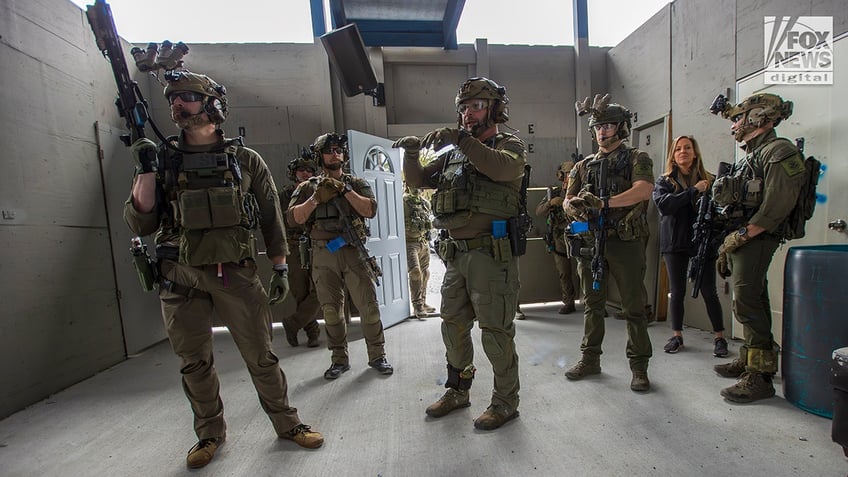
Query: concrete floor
[(133, 420)]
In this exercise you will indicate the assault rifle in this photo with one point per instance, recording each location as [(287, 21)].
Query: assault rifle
[(550, 235), (519, 226), (352, 237), (703, 235), (130, 103), (598, 223)]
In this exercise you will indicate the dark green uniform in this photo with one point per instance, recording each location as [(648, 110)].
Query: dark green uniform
[(624, 253), (300, 279), (207, 255), (559, 224), (477, 183), (333, 271), (773, 171), (417, 223)]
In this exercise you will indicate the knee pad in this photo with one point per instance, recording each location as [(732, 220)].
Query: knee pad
[(331, 315), (371, 314), (492, 345)]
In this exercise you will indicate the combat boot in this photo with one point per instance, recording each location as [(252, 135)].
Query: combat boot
[(453, 399), (582, 369), (291, 334), (640, 381), (313, 331), (567, 308), (495, 416), (750, 387)]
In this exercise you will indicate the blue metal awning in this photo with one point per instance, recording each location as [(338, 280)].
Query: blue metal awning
[(394, 22)]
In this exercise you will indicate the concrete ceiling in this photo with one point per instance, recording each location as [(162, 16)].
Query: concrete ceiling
[(394, 22)]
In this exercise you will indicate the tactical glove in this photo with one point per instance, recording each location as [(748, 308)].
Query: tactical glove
[(556, 202), (325, 194), (278, 288), (592, 200), (732, 242), (144, 153), (409, 143), (330, 183), (442, 137), (577, 209), (721, 264)]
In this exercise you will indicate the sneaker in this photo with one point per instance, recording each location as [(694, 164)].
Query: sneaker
[(583, 369), (335, 370), (640, 381), (750, 387), (675, 344), (567, 308), (452, 399), (381, 365), (203, 452), (720, 348), (304, 436), (733, 369), (494, 417)]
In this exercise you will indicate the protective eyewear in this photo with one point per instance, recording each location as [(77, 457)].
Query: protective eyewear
[(332, 150), (186, 96), (605, 127), (473, 105)]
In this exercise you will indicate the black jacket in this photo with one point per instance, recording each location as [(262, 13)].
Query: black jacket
[(677, 215)]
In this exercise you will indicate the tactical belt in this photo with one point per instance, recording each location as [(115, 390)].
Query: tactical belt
[(484, 242), (323, 243), (188, 292)]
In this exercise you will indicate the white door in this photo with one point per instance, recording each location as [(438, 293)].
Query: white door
[(374, 159)]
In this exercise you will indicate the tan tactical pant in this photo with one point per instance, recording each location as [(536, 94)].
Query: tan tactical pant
[(241, 303), (303, 291), (564, 269), (476, 287), (418, 264), (625, 261), (332, 272)]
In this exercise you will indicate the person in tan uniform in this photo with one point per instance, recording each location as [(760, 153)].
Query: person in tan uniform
[(417, 226), (323, 205), (478, 189), (204, 196)]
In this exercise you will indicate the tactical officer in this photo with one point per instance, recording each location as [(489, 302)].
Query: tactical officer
[(324, 205), (558, 226), (771, 176), (478, 186), (417, 222), (300, 276), (629, 183), (204, 195)]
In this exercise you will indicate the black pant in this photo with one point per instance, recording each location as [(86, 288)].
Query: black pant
[(676, 265)]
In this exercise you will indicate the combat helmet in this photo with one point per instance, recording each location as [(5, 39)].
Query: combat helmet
[(564, 169), (215, 104), (601, 111), (757, 110), (326, 140), (484, 88), (306, 160)]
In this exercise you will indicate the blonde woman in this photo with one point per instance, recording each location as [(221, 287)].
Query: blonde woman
[(675, 194)]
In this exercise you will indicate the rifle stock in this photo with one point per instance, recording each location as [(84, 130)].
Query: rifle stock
[(598, 224), (703, 228)]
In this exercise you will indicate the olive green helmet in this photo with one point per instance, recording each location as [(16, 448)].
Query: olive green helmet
[(326, 140), (215, 104), (760, 108), (564, 169), (306, 161), (613, 113), (484, 88)]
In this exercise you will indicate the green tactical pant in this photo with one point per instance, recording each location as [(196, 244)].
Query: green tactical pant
[(564, 269), (476, 287), (306, 298), (749, 269), (332, 272), (243, 307), (625, 261), (418, 265)]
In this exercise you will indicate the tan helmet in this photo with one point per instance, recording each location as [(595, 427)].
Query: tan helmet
[(601, 111), (326, 140), (757, 110), (484, 88), (215, 104), (564, 169)]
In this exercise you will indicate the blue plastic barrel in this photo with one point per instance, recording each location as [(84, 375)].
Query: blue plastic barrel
[(815, 303)]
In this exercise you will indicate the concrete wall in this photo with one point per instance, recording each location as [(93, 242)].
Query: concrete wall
[(70, 305)]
